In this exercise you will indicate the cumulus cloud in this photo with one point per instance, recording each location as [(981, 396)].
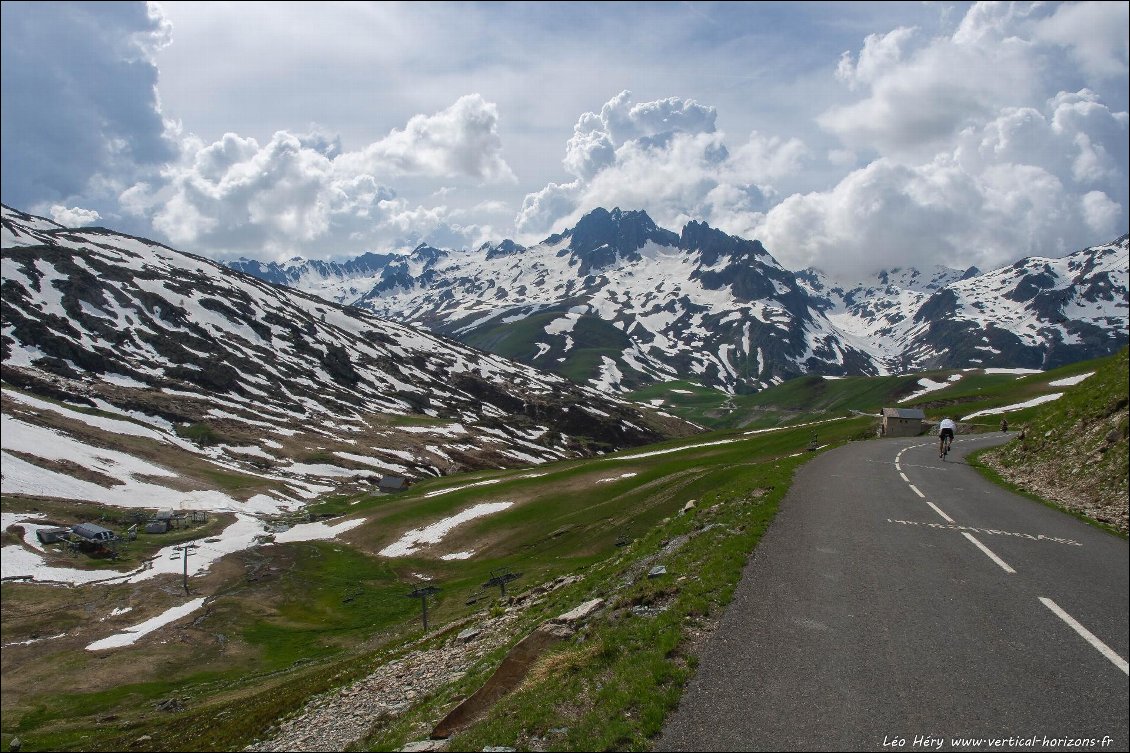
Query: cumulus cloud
[(964, 149), (666, 157), (1103, 215), (974, 165), (79, 113), (1028, 182), (74, 216), (461, 140), (880, 52), (300, 192), (1093, 33), (543, 209)]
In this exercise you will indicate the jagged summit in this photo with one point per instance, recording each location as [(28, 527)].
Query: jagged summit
[(619, 302), (601, 237)]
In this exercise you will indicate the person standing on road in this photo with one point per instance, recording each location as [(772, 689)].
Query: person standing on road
[(946, 431)]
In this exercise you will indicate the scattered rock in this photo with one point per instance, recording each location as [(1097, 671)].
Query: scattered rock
[(468, 635), (338, 718), (171, 705), (508, 676), (578, 614), (644, 611), (657, 571), (424, 745)]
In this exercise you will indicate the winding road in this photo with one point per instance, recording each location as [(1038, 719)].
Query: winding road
[(899, 602)]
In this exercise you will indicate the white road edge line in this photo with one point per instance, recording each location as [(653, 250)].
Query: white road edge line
[(904, 478), (1088, 636), (988, 553), (914, 489)]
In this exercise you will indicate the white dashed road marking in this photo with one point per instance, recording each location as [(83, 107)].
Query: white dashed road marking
[(938, 510), (989, 553), (1088, 636)]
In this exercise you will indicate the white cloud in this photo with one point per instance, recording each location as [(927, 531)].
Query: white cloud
[(917, 100), (543, 209), (74, 216), (460, 141), (880, 53), (1095, 34), (1024, 183), (1102, 215), (301, 193), (978, 162), (665, 157)]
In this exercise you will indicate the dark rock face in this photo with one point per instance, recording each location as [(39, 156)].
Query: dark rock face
[(712, 243), (506, 248), (601, 237), (938, 308)]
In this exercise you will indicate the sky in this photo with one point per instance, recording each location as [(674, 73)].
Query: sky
[(846, 136)]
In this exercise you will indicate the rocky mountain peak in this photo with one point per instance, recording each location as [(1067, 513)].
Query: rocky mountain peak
[(505, 248), (600, 237), (713, 243)]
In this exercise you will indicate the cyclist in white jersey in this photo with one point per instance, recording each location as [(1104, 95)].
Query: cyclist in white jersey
[(946, 431)]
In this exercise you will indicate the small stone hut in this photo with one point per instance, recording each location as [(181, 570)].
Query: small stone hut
[(902, 422), (392, 484)]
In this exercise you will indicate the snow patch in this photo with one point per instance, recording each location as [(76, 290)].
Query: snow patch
[(130, 635), (433, 534), (1015, 406), (1071, 381)]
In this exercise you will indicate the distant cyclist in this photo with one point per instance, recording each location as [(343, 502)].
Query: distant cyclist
[(946, 430)]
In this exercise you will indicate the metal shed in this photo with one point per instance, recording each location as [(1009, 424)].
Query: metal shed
[(92, 532), (902, 422), (51, 535)]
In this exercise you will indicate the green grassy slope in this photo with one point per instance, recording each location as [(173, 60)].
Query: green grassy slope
[(814, 397), (1074, 450), (285, 622)]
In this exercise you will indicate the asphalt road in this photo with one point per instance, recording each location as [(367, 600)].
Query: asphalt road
[(898, 600)]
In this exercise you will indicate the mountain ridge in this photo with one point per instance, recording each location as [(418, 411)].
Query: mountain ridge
[(659, 306), (253, 374)]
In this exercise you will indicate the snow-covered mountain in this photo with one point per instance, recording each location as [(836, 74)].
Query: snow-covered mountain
[(615, 301), (104, 330), (1037, 313), (618, 302)]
